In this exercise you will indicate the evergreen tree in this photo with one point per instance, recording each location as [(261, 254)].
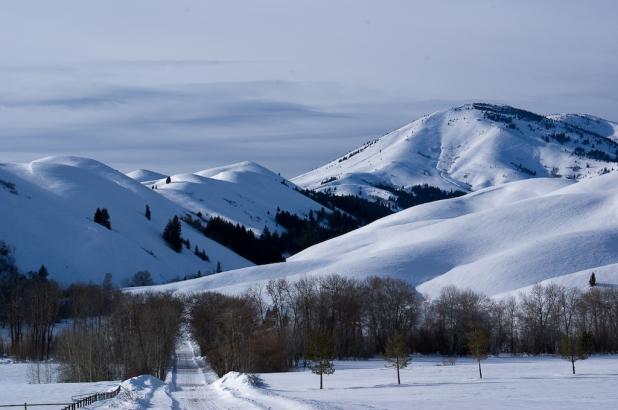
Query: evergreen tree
[(148, 213), (173, 234), (108, 284), (7, 260), (168, 180), (593, 280), (321, 353), (42, 274), (101, 216), (397, 353), (218, 269), (106, 221), (97, 216)]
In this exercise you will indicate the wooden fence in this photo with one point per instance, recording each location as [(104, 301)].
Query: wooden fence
[(85, 401), (77, 403)]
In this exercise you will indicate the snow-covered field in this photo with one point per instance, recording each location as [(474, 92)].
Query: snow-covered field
[(429, 382), (16, 386), (542, 383)]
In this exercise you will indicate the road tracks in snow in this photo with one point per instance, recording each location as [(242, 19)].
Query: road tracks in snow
[(193, 385)]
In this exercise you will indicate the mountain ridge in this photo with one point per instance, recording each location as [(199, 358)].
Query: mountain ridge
[(471, 147)]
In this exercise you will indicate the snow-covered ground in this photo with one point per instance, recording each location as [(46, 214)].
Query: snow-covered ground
[(496, 240), (508, 383), (542, 383), (468, 148), (16, 386), (430, 382), (191, 384)]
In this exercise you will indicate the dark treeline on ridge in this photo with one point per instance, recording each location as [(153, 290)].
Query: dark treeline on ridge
[(342, 214), (270, 247)]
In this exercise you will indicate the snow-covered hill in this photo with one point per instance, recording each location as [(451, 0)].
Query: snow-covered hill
[(244, 193), (145, 175), (496, 240), (46, 214), (472, 147)]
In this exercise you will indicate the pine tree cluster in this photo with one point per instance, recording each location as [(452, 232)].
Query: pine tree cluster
[(201, 254), (173, 234), (101, 216)]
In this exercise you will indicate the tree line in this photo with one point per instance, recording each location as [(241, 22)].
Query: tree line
[(114, 335), (284, 325), (96, 332), (29, 308)]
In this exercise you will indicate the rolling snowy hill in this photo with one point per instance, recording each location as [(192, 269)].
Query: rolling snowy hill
[(144, 175), (244, 193), (46, 214), (472, 147), (496, 240)]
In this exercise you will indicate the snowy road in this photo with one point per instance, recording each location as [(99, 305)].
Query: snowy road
[(190, 388), (193, 385)]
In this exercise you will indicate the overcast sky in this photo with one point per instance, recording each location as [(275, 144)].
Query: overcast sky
[(183, 85)]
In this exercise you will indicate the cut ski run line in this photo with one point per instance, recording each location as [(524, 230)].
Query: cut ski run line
[(193, 385)]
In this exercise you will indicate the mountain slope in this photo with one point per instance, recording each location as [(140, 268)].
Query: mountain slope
[(46, 211), (497, 240), (472, 147), (244, 193)]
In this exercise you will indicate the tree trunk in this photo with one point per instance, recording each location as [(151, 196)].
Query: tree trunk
[(398, 378), (320, 381), (573, 364), (480, 371)]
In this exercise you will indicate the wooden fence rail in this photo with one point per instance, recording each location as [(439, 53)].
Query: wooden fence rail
[(85, 401), (77, 403)]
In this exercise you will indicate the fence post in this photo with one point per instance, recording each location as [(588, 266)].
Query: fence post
[(25, 406)]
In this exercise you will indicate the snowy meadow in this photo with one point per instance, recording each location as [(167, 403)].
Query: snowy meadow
[(433, 383)]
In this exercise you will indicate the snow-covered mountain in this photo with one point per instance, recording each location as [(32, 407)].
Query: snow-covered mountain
[(496, 240), (244, 193), (472, 147), (46, 214), (145, 175)]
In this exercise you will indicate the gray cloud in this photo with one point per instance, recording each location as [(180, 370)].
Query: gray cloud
[(192, 84)]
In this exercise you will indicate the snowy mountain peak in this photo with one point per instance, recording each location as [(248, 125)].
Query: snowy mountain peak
[(471, 147), (245, 193), (233, 171), (145, 175)]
